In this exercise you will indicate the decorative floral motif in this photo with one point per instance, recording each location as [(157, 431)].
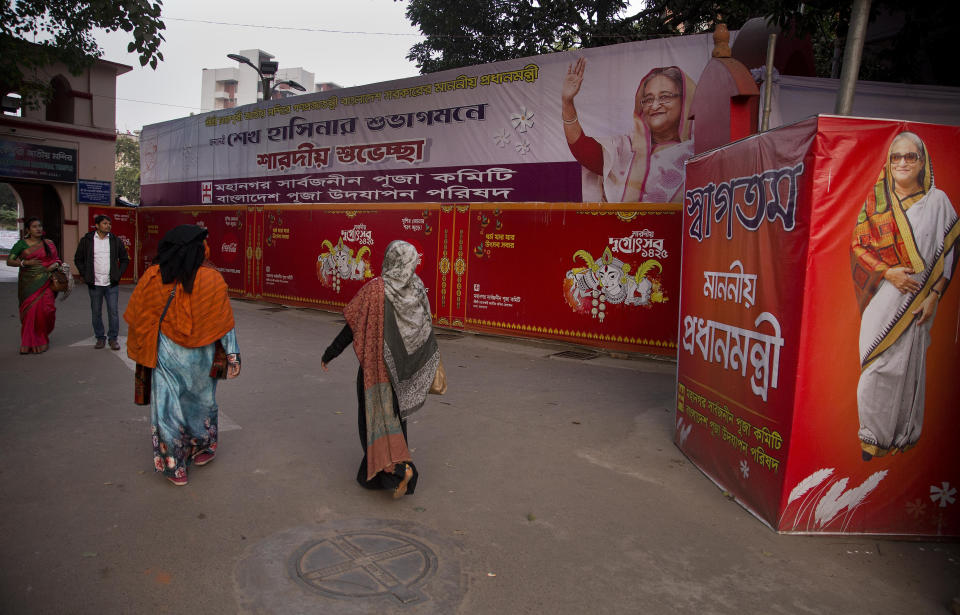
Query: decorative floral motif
[(683, 431), (744, 468), (502, 138), (523, 148), (523, 120), (916, 508), (823, 498), (944, 495)]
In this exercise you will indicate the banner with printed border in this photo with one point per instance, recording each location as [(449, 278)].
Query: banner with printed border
[(321, 256), (573, 273), (485, 133), (570, 271)]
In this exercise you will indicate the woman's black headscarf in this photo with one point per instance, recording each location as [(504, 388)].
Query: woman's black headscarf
[(180, 254)]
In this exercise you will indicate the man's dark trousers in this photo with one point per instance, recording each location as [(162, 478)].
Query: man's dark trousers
[(112, 295)]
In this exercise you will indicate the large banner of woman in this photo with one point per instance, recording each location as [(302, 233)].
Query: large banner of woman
[(606, 124), (819, 338)]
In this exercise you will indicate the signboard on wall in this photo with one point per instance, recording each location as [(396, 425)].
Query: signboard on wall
[(487, 133), (20, 160), (93, 192), (818, 348)]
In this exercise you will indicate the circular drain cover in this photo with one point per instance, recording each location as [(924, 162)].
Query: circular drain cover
[(352, 566), (365, 564)]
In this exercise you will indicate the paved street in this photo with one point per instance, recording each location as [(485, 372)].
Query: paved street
[(548, 485)]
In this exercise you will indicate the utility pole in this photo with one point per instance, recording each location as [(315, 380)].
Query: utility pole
[(856, 35)]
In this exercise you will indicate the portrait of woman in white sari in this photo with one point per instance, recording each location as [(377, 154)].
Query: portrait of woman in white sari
[(645, 166), (903, 253)]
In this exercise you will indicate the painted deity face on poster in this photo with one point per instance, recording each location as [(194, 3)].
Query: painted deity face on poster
[(607, 281), (338, 263)]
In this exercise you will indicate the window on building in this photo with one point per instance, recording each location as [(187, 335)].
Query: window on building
[(12, 104), (60, 107)]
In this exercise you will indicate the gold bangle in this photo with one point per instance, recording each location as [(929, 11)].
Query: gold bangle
[(573, 121), (939, 294)]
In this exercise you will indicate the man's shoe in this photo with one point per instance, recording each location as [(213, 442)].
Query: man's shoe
[(114, 345), (203, 458), (100, 343)]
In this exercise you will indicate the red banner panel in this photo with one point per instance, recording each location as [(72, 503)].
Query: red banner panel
[(818, 346), (320, 255), (573, 272), (227, 238), (123, 224)]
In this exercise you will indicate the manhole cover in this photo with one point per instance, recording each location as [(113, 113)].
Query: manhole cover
[(365, 564), (580, 355), (355, 566)]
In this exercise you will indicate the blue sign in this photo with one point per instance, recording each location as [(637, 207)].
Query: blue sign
[(93, 192)]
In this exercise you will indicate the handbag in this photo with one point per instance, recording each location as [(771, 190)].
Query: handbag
[(142, 381), (219, 368), (143, 375), (439, 385), (58, 281)]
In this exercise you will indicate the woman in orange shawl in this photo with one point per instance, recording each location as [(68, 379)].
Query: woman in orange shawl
[(903, 253), (176, 314), (647, 165)]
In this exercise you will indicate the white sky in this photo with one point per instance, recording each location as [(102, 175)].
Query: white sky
[(146, 96)]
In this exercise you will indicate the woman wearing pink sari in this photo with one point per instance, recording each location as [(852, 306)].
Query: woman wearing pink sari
[(36, 257)]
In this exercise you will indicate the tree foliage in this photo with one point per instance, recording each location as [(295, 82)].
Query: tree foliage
[(8, 207), (37, 33), (480, 31), (127, 175)]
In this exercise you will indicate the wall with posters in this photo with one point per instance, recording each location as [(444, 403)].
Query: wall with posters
[(817, 362), (569, 271), (486, 133)]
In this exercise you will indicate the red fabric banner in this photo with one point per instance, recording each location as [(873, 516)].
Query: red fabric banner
[(123, 224), (774, 403), (574, 272)]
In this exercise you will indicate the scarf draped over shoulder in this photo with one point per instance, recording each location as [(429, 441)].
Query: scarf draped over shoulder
[(884, 237), (193, 319), (394, 341)]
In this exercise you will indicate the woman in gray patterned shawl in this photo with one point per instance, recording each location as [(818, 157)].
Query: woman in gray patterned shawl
[(389, 324)]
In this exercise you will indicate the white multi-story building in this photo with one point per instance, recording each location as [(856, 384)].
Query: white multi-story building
[(224, 88)]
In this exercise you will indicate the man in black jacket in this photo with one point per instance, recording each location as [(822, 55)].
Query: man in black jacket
[(101, 259)]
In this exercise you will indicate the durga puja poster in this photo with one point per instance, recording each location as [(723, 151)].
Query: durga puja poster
[(595, 276), (321, 255)]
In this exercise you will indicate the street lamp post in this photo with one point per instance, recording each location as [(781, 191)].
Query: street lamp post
[(267, 70)]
